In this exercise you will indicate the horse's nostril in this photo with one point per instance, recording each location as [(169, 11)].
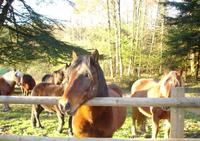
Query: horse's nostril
[(67, 106)]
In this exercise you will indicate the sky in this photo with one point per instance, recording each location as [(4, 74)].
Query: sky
[(62, 10)]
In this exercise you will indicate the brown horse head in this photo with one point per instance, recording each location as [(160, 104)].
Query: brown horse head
[(60, 74), (86, 80)]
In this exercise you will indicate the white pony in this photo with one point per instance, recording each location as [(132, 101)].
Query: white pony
[(7, 84)]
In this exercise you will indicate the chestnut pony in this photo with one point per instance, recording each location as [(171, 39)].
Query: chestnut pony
[(138, 119), (86, 81), (49, 89), (7, 84), (56, 77), (161, 89)]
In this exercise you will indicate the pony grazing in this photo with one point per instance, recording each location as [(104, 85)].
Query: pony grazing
[(47, 89), (86, 81), (7, 84), (56, 77), (161, 89), (27, 83)]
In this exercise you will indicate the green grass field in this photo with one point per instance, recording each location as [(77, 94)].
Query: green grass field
[(17, 121)]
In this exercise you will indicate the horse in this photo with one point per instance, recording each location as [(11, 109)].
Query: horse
[(56, 77), (86, 81), (47, 89), (138, 119), (160, 90), (27, 83), (52, 87), (7, 84)]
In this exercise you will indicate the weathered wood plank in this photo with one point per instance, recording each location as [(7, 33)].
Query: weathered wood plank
[(177, 115), (114, 101), (36, 138)]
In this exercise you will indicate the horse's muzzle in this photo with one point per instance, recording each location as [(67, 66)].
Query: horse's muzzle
[(64, 107)]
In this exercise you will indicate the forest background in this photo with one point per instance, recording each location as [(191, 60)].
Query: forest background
[(136, 38)]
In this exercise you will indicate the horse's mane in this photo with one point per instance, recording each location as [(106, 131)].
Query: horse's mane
[(102, 89)]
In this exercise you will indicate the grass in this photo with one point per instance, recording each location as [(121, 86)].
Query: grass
[(18, 122)]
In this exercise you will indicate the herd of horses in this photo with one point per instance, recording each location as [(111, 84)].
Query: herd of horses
[(83, 80)]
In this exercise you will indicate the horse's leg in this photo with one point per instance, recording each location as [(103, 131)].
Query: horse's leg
[(167, 128), (134, 120), (26, 92), (36, 110), (70, 131), (22, 89), (142, 124), (6, 107), (155, 125), (61, 121)]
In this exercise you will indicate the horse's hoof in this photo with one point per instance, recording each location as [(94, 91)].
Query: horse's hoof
[(6, 109), (42, 127), (59, 130), (70, 133)]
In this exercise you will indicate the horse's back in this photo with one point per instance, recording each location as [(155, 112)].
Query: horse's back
[(4, 87), (48, 78), (119, 113), (115, 88), (47, 89), (142, 84)]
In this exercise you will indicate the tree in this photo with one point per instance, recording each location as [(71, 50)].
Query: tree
[(184, 35), (28, 36)]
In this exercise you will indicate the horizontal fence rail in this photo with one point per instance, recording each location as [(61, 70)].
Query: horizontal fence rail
[(109, 101), (36, 138)]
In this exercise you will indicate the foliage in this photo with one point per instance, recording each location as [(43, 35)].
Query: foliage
[(28, 36), (183, 31)]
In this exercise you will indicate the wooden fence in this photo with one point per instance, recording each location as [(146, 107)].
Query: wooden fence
[(177, 102)]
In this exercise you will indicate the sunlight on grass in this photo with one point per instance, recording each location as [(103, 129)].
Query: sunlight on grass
[(18, 121)]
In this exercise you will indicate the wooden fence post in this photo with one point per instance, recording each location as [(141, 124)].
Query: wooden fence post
[(177, 115)]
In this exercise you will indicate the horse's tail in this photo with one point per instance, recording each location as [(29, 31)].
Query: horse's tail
[(116, 89)]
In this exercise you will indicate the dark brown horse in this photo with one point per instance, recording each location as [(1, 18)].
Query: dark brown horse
[(47, 89), (160, 90), (56, 77), (27, 83), (86, 81), (7, 84)]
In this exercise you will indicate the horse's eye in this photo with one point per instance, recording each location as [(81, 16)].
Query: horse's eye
[(86, 75)]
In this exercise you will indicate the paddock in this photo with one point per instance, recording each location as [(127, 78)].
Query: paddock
[(178, 103)]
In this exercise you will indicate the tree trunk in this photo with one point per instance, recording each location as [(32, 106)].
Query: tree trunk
[(4, 12), (109, 32), (119, 37), (192, 64), (198, 65)]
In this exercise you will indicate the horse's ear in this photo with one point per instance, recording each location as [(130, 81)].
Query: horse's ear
[(180, 72), (166, 71), (95, 55), (14, 69), (67, 65), (74, 55)]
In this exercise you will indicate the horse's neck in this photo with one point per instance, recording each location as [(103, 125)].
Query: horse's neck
[(92, 113), (165, 89), (9, 80)]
